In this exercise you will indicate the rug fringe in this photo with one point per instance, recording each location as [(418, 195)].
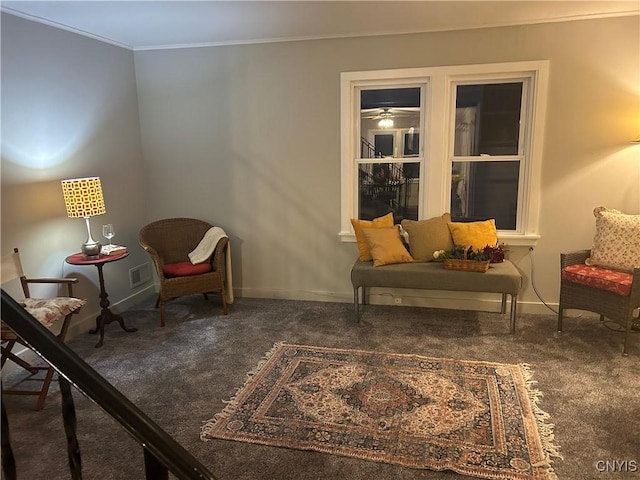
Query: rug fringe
[(545, 429), (232, 403)]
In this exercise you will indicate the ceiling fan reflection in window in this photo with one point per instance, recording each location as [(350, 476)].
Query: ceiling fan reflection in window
[(385, 116)]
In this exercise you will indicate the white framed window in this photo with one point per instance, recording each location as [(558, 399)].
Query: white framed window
[(385, 147), (470, 143)]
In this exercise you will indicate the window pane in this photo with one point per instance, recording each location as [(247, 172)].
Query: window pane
[(488, 119), (383, 143), (483, 190), (386, 116), (411, 143), (388, 187)]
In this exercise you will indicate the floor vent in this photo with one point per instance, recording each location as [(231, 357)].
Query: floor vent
[(139, 275)]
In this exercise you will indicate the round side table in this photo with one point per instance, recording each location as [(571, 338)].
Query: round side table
[(106, 316)]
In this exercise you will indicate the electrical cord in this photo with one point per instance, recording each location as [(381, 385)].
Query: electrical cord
[(533, 283)]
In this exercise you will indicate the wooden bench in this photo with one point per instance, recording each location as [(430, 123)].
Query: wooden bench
[(503, 278)]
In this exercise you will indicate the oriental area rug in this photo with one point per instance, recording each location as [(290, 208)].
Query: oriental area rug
[(476, 418)]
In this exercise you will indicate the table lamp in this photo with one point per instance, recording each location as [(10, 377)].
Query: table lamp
[(83, 198)]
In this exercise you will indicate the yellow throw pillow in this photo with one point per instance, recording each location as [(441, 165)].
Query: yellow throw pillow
[(428, 236), (386, 221), (476, 234), (386, 246)]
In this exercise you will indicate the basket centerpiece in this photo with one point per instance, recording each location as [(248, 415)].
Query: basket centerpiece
[(467, 259)]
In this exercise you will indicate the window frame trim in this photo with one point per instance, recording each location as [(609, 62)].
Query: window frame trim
[(436, 135)]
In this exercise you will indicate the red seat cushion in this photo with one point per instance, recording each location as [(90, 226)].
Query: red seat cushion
[(601, 278), (185, 269)]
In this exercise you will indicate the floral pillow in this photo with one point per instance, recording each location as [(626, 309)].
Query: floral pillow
[(48, 310), (616, 244)]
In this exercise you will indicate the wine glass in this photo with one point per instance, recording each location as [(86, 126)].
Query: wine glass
[(108, 232)]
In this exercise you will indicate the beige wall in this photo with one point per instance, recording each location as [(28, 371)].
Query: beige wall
[(69, 109), (247, 137), (252, 134)]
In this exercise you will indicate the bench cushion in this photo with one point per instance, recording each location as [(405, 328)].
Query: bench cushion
[(500, 278)]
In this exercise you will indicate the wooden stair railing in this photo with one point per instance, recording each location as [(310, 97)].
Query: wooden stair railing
[(162, 454)]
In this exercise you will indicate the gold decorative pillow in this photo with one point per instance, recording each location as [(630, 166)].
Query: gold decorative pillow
[(476, 234), (386, 246), (428, 236), (386, 221), (616, 244)]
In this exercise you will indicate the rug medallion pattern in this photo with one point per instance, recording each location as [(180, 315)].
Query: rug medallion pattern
[(475, 418)]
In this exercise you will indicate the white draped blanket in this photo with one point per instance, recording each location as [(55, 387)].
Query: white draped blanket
[(205, 249)]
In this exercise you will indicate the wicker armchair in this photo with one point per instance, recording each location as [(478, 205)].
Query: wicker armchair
[(614, 306), (169, 242)]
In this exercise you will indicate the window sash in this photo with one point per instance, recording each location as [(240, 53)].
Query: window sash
[(498, 79), (397, 156), (521, 156)]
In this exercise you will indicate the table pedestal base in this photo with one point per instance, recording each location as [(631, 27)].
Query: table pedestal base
[(105, 318)]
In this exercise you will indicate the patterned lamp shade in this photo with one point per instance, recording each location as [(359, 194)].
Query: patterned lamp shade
[(83, 197)]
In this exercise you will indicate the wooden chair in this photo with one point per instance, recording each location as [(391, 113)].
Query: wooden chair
[(48, 312), (614, 295), (169, 243)]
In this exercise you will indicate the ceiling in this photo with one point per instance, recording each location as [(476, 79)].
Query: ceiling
[(142, 25)]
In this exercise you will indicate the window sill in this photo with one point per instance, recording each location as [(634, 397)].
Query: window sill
[(347, 237), (518, 240), (511, 240)]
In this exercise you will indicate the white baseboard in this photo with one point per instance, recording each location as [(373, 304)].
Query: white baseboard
[(412, 298), (311, 295)]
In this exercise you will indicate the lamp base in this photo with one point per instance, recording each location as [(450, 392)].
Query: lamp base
[(91, 250)]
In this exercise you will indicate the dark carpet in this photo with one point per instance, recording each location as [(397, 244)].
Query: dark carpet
[(180, 374)]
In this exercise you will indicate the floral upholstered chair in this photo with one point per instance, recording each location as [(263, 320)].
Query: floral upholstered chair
[(53, 313), (605, 279)]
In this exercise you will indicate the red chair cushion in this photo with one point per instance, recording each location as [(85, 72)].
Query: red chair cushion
[(601, 278), (185, 269)]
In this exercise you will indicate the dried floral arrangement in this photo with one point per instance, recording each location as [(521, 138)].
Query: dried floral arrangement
[(492, 254)]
